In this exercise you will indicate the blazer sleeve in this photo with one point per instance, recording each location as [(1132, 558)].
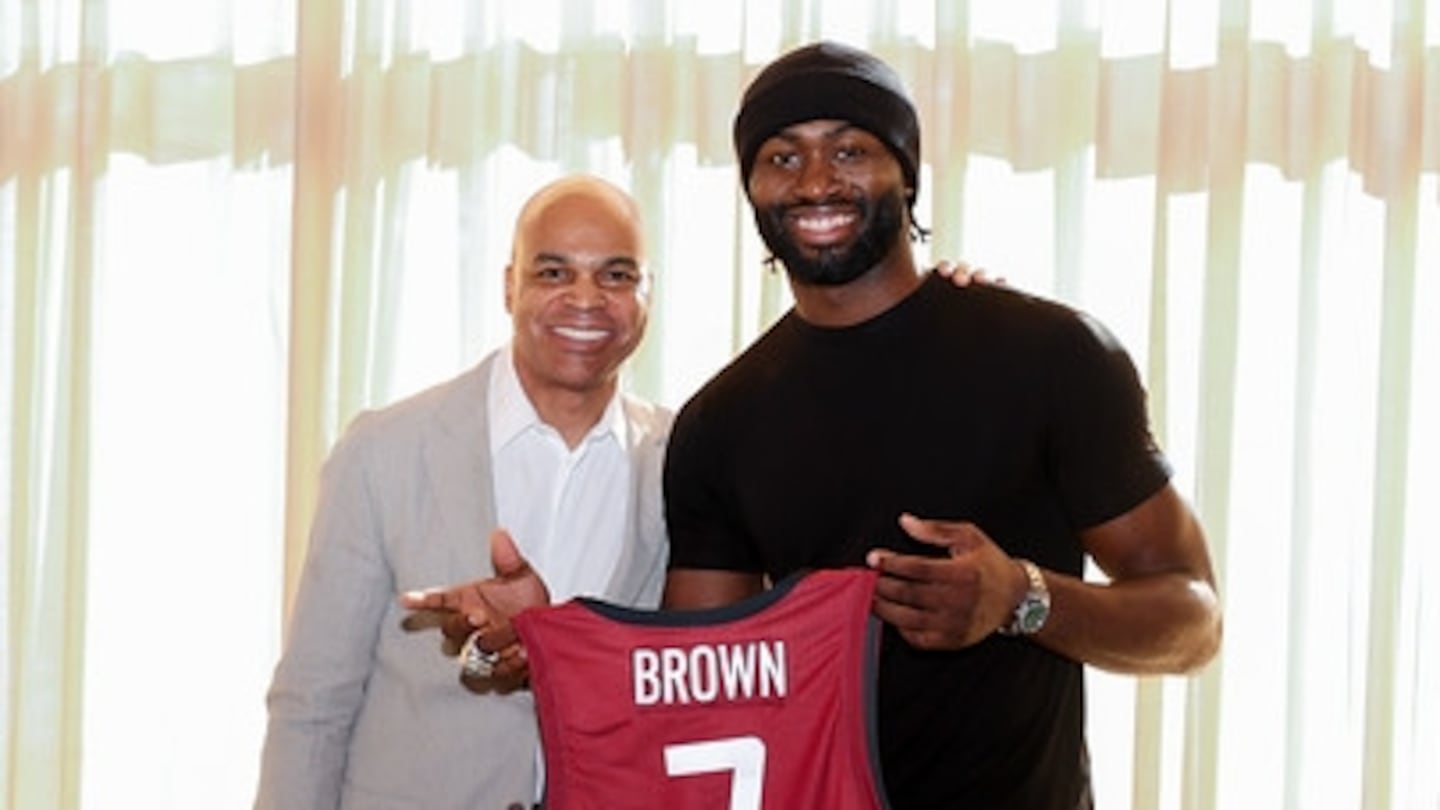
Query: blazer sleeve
[(345, 587)]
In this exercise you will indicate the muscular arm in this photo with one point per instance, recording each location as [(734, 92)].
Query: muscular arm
[(1158, 613)]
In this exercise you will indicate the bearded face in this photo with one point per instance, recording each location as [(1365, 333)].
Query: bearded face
[(811, 238)]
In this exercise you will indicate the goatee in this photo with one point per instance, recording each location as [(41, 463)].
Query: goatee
[(881, 221)]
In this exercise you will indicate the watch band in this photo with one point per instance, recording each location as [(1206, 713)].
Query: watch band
[(1034, 607)]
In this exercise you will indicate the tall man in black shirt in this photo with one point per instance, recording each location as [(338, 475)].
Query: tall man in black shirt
[(976, 445)]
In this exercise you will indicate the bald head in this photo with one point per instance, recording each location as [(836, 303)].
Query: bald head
[(590, 196), (575, 291)]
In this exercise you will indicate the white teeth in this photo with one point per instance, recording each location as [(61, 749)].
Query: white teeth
[(573, 333), (824, 223)]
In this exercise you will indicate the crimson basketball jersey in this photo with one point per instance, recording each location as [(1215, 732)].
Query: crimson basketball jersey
[(764, 704)]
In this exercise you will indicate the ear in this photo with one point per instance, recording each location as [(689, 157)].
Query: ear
[(510, 288)]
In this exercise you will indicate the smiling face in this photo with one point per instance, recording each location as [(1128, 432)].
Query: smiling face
[(575, 290), (830, 200)]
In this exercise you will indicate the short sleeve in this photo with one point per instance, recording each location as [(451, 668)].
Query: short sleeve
[(701, 510), (1102, 453)]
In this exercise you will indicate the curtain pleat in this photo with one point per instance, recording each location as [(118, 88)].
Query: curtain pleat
[(319, 161), (411, 137), (61, 123), (1390, 559), (48, 509)]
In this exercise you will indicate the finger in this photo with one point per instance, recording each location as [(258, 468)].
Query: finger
[(902, 592), (494, 683), (419, 600), (457, 627), (960, 273), (480, 617), (513, 664), (939, 533), (903, 617), (502, 670), (981, 276), (496, 637), (963, 275), (928, 615), (453, 598), (897, 566), (917, 627), (953, 535), (424, 619), (877, 557)]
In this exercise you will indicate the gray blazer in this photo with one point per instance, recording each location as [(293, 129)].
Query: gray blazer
[(365, 715)]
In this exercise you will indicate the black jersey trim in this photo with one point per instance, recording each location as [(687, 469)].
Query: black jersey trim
[(676, 617)]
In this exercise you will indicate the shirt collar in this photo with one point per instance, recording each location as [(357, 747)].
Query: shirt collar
[(512, 414)]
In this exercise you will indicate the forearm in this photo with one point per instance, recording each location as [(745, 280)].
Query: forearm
[(1167, 623)]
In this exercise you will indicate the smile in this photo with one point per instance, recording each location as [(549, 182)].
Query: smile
[(582, 335), (823, 225), (823, 222)]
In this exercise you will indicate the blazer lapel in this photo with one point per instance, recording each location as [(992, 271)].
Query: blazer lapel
[(457, 460), (458, 468), (639, 573)]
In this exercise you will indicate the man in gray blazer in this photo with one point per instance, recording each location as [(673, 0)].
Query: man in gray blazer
[(537, 438)]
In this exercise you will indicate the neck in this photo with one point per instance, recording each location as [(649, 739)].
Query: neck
[(880, 288), (573, 413)]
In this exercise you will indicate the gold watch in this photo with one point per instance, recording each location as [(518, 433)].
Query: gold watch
[(1034, 607)]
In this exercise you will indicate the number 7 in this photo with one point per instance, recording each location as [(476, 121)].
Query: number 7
[(744, 757)]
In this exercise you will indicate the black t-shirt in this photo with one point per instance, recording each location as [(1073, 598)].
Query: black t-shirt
[(979, 403)]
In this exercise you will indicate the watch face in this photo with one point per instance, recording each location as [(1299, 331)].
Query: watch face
[(1032, 616)]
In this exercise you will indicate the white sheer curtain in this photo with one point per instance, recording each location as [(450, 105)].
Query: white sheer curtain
[(225, 227)]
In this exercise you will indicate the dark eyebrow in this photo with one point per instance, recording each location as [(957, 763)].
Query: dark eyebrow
[(839, 129), (544, 257), (625, 261)]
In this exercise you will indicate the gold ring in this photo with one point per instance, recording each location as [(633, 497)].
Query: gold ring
[(475, 662)]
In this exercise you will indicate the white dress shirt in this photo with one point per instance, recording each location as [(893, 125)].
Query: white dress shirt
[(566, 509)]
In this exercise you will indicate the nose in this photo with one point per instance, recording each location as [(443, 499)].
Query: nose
[(818, 179), (585, 293)]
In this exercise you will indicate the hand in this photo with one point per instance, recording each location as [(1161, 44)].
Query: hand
[(961, 274), (484, 606), (950, 602)]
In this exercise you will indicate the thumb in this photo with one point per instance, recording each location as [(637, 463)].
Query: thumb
[(505, 556), (518, 582), (938, 533)]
